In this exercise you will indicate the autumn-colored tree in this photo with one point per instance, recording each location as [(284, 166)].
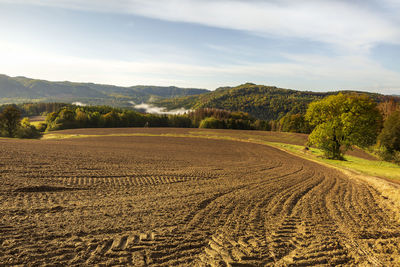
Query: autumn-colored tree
[(81, 118), (67, 115), (111, 119), (388, 107), (342, 121), (390, 135)]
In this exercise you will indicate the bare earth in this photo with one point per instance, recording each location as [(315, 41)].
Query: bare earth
[(184, 201)]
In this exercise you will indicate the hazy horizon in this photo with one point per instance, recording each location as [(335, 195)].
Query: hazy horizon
[(313, 45), (213, 89)]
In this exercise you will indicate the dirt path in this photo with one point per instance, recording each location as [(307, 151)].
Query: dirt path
[(184, 201)]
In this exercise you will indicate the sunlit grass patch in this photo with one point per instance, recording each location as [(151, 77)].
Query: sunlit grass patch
[(36, 123), (364, 166), (369, 167), (63, 136)]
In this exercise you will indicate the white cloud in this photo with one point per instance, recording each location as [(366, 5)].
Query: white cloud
[(346, 72), (342, 23), (303, 71)]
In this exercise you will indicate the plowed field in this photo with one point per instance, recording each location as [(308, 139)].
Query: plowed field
[(184, 201)]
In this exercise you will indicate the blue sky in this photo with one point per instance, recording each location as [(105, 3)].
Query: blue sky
[(315, 45)]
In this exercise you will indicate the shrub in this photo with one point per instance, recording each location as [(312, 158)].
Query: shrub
[(41, 127), (212, 123), (26, 130)]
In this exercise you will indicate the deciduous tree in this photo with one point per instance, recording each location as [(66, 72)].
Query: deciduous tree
[(10, 119), (342, 121), (390, 135)]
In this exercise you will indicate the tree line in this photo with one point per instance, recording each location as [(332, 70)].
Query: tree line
[(93, 117)]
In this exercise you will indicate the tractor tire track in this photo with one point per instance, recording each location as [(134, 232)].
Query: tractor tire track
[(157, 201)]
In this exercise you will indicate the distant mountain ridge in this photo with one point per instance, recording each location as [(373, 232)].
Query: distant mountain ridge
[(22, 89), (260, 101)]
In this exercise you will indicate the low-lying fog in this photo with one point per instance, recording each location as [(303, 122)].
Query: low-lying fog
[(77, 103), (149, 108)]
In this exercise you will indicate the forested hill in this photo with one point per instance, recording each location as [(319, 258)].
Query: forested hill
[(21, 89), (262, 102)]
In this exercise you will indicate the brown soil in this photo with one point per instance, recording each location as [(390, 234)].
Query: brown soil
[(184, 201), (280, 137)]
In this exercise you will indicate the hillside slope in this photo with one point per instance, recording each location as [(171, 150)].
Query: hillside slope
[(22, 89), (263, 102)]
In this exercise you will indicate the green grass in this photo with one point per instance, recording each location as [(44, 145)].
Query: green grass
[(368, 167), (36, 123), (48, 136)]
